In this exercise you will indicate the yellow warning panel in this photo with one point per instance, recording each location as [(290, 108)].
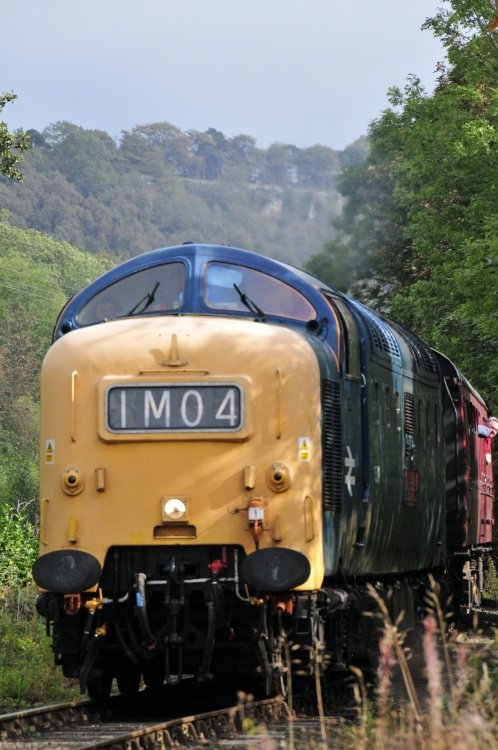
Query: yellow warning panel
[(304, 449), (50, 451)]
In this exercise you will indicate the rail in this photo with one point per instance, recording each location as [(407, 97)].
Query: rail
[(80, 725)]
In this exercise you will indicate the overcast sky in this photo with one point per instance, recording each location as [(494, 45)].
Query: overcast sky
[(292, 71)]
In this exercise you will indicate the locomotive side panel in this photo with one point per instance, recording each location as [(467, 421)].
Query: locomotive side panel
[(400, 443), (345, 511), (406, 505)]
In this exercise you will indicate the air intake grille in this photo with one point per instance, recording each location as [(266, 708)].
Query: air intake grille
[(332, 446), (383, 339), (421, 353), (409, 414)]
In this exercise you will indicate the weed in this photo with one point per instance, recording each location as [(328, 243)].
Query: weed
[(27, 672)]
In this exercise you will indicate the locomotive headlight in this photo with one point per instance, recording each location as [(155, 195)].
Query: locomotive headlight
[(174, 509)]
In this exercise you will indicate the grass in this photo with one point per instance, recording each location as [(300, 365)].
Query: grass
[(457, 710), (27, 673)]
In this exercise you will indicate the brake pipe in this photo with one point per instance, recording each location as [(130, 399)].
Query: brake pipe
[(131, 656), (141, 606)]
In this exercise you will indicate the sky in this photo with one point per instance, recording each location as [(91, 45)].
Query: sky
[(288, 71)]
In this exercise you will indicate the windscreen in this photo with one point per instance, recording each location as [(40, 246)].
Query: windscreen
[(157, 289), (237, 288)]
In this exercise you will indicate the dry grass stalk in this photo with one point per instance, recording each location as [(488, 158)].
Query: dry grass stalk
[(434, 679), (386, 663), (462, 707), (319, 701), (433, 598), (397, 641)]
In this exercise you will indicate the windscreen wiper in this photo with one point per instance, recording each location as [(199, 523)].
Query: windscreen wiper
[(148, 299), (248, 302)]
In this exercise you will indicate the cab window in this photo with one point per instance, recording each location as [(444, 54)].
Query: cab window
[(351, 340), (154, 290), (241, 289)]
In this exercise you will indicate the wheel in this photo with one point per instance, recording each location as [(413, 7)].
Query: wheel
[(280, 683), (99, 684), (153, 673), (128, 678), (70, 665)]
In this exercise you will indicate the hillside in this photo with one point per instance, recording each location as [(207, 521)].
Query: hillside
[(37, 275), (159, 186)]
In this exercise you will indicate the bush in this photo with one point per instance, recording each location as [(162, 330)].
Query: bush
[(18, 546), (28, 675), (491, 588)]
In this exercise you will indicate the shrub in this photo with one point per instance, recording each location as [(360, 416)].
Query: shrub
[(491, 589), (18, 546), (28, 675)]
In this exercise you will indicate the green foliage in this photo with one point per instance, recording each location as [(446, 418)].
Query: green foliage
[(491, 587), (37, 275), (27, 672), (418, 236), (19, 468), (18, 546), (11, 145), (160, 186)]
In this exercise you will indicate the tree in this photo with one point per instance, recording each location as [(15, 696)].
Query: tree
[(157, 186), (317, 166), (12, 144), (85, 157), (420, 224), (368, 252), (446, 182), (37, 275)]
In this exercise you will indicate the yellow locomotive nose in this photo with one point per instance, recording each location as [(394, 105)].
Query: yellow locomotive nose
[(172, 454)]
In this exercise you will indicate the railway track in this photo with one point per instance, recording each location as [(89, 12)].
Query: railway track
[(84, 725), (132, 724)]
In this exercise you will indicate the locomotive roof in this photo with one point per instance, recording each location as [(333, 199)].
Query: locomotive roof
[(384, 338), (195, 256), (211, 251)]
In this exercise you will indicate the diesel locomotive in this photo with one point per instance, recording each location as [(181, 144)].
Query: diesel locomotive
[(231, 452)]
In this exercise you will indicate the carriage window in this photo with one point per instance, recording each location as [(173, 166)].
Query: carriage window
[(154, 290), (240, 289)]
